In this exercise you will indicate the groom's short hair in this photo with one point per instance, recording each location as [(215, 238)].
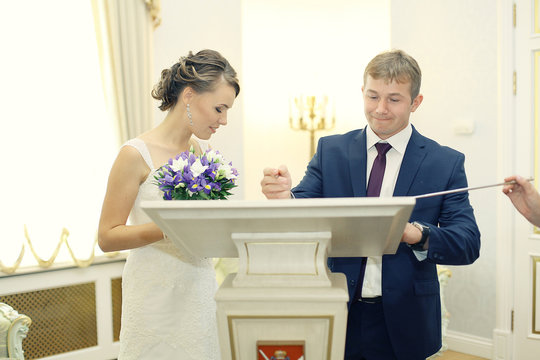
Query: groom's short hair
[(395, 65)]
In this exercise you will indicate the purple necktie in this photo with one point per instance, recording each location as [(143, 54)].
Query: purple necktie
[(377, 171), (373, 190)]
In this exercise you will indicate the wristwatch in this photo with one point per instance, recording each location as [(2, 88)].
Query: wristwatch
[(419, 246)]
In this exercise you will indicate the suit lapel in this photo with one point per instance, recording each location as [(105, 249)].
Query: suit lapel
[(357, 163), (414, 155)]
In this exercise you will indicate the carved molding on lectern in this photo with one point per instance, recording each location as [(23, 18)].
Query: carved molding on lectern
[(282, 259)]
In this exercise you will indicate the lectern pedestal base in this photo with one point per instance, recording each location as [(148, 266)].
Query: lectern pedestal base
[(312, 317)]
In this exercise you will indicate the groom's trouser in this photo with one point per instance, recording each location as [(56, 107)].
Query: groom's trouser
[(367, 337)]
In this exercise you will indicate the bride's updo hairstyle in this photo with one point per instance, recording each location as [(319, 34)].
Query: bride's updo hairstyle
[(202, 72)]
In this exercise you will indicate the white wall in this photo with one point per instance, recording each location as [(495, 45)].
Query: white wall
[(193, 26), (298, 47), (455, 43)]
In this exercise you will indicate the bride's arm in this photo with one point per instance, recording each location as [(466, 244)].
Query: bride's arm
[(128, 172)]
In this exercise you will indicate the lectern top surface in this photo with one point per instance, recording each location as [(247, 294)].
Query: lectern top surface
[(359, 226), (287, 203)]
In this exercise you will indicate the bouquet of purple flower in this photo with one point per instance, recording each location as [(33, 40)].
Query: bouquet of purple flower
[(191, 177)]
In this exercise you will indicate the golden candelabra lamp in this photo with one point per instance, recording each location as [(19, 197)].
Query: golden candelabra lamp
[(310, 113)]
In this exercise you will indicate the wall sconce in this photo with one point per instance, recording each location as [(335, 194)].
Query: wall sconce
[(310, 113)]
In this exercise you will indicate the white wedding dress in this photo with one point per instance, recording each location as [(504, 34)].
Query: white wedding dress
[(168, 307)]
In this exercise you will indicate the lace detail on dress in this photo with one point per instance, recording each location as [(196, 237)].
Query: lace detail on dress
[(168, 307)]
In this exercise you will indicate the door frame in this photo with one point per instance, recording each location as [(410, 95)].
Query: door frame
[(504, 303)]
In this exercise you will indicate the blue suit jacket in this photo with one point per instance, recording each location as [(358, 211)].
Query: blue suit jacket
[(410, 287)]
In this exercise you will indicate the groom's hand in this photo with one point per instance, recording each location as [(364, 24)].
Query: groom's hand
[(276, 183)]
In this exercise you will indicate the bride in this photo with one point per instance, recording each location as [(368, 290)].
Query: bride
[(168, 307)]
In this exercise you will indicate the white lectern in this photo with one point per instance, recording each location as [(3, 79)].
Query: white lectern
[(283, 296)]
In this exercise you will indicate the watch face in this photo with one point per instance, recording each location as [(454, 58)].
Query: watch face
[(419, 226), (425, 234)]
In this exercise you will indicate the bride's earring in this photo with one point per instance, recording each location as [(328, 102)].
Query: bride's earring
[(189, 115)]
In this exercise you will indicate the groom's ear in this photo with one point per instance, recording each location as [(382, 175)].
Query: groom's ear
[(416, 102)]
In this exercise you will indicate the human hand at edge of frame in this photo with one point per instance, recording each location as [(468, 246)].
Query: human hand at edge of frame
[(524, 197)]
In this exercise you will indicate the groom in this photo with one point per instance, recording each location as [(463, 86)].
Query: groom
[(394, 307)]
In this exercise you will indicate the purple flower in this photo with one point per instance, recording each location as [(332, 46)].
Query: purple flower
[(187, 176), (204, 160), (216, 186), (184, 155), (207, 186)]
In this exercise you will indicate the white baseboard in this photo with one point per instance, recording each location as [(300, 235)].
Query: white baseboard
[(469, 344)]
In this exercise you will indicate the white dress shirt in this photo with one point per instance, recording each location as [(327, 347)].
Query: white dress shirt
[(373, 276)]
